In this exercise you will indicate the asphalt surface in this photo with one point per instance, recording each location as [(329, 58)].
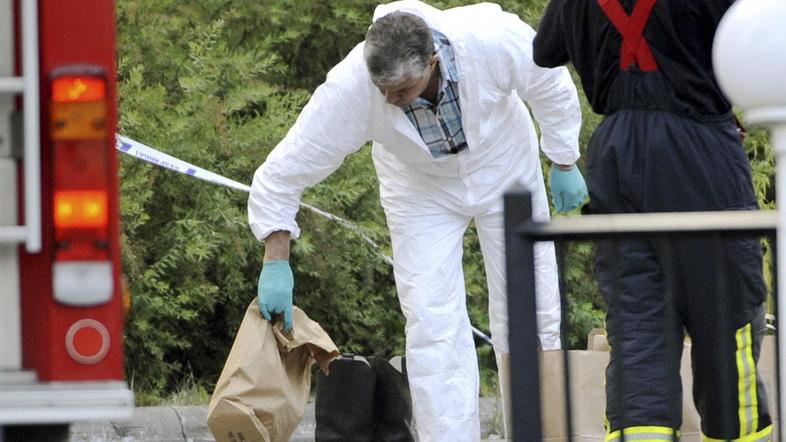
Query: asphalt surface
[(189, 423)]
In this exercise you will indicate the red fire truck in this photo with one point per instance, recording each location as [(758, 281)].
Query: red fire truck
[(61, 300)]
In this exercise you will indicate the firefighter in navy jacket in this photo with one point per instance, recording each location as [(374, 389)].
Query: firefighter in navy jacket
[(668, 143)]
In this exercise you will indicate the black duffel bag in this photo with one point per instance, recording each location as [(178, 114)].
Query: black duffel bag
[(363, 399)]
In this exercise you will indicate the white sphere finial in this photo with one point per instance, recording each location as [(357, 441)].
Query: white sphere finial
[(749, 57)]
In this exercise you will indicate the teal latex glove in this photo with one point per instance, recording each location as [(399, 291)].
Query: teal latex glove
[(568, 188), (275, 290)]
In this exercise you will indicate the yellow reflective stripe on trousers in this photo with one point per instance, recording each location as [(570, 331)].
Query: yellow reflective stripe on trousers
[(764, 435), (746, 382), (644, 434)]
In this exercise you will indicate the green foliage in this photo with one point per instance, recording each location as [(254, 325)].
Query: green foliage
[(218, 83), (762, 160), (187, 251)]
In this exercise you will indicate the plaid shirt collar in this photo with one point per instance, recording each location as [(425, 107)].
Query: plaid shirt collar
[(439, 124), (447, 67)]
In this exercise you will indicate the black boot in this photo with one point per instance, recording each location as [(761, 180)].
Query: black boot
[(343, 406), (392, 403)]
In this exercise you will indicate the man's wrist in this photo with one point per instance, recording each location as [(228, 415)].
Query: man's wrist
[(564, 167), (277, 246)]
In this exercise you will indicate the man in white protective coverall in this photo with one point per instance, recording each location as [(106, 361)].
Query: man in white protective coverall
[(440, 95)]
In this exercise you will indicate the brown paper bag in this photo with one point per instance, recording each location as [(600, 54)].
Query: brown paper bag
[(768, 370), (262, 391), (588, 395)]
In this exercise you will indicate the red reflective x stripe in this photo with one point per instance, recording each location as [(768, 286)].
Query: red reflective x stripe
[(635, 49)]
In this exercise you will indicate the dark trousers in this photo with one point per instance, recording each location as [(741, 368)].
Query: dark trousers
[(657, 288)]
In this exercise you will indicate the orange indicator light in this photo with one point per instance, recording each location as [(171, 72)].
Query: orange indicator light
[(82, 88), (81, 208)]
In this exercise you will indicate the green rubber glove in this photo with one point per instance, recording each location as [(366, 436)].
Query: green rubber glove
[(568, 188), (275, 290)]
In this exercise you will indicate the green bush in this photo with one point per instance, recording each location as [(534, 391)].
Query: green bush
[(218, 83)]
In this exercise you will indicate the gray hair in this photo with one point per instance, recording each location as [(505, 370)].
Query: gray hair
[(398, 47)]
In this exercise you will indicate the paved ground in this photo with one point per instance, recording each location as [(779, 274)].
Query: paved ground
[(180, 424)]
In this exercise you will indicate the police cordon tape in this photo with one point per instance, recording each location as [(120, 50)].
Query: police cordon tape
[(154, 156)]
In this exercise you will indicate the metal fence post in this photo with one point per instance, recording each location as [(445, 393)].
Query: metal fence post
[(523, 337)]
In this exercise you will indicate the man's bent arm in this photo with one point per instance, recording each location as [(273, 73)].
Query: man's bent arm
[(550, 93)]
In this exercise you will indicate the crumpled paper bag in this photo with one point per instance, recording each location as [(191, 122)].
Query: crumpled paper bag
[(262, 391)]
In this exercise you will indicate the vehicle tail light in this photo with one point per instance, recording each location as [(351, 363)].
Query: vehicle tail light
[(78, 111)]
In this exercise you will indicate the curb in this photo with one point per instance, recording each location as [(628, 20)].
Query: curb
[(189, 424)]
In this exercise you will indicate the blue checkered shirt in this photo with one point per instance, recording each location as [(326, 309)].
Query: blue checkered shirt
[(440, 125)]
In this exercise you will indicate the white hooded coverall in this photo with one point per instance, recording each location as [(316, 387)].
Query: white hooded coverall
[(429, 202)]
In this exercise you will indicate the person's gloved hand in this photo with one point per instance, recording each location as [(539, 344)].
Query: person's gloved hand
[(568, 188), (275, 290)]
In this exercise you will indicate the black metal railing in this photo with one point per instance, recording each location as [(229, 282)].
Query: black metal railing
[(521, 233)]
